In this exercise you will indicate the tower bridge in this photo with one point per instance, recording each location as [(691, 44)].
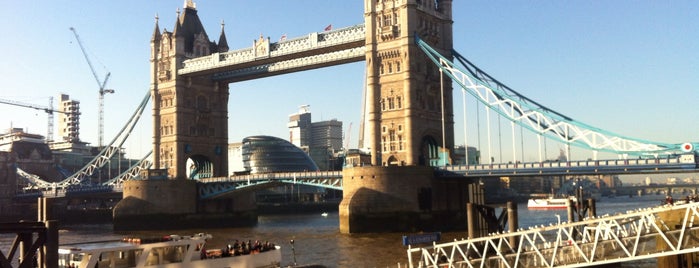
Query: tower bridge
[(407, 46)]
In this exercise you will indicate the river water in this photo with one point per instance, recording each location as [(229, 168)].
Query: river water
[(317, 239)]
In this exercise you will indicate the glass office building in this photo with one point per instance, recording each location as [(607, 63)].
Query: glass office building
[(266, 154)]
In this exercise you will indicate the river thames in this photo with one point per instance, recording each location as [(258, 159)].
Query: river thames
[(317, 239)]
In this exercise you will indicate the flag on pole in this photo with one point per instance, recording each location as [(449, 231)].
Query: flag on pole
[(329, 27), (283, 37)]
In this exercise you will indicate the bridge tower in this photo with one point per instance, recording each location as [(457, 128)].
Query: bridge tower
[(411, 112), (190, 114), (190, 137), (411, 125)]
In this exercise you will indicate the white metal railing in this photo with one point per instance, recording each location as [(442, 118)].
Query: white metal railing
[(642, 234)]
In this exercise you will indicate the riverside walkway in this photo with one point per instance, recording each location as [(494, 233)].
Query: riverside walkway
[(643, 234)]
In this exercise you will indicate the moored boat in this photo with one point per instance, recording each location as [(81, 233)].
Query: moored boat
[(549, 203), (171, 251)]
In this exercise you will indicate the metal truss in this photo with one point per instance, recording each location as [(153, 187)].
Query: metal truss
[(540, 119), (32, 180), (215, 187), (131, 173), (108, 151), (103, 158), (643, 234)]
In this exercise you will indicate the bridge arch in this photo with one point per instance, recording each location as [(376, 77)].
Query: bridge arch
[(429, 151), (199, 166)]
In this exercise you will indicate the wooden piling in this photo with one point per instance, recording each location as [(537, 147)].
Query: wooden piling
[(512, 221), (570, 205), (592, 207), (471, 220)]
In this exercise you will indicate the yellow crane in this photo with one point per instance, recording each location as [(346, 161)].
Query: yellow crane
[(102, 90)]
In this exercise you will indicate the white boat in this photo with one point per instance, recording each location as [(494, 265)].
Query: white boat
[(549, 203), (168, 252)]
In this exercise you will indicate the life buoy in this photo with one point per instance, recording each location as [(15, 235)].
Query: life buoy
[(687, 147)]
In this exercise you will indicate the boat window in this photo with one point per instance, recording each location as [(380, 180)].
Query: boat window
[(69, 260), (165, 255)]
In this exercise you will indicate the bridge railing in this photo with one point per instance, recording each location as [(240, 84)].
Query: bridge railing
[(642, 234), (276, 176), (672, 162)]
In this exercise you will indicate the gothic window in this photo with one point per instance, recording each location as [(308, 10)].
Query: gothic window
[(387, 20), (381, 68), (383, 129), (390, 104), (400, 141), (397, 66), (390, 68), (398, 102)]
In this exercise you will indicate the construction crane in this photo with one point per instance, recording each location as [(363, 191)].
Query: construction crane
[(49, 111), (102, 91), (348, 136)]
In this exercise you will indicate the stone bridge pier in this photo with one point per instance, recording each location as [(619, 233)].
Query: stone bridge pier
[(174, 204), (401, 199)]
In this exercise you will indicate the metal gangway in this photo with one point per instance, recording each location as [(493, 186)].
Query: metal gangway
[(635, 235)]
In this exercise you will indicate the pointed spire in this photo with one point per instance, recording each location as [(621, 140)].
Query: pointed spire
[(190, 4), (156, 32), (177, 23), (222, 42)]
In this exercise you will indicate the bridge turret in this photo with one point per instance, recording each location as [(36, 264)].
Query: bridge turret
[(222, 42), (190, 113)]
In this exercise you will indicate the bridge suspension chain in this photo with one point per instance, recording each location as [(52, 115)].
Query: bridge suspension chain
[(109, 151), (132, 172), (538, 118)]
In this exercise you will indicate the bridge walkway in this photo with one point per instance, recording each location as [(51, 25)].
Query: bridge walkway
[(635, 235)]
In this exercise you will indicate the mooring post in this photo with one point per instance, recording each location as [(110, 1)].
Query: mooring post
[(470, 221), (51, 244), (570, 205), (40, 209), (592, 207), (513, 222)]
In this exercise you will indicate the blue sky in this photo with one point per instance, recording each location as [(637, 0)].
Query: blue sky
[(629, 67)]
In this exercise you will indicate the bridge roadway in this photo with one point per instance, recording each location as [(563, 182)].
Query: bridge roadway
[(643, 234), (219, 186)]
